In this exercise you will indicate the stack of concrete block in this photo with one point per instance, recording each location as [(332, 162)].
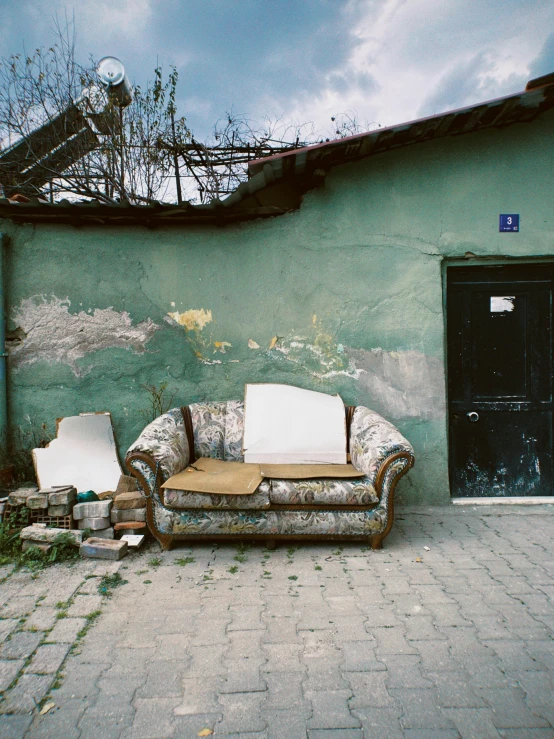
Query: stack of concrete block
[(38, 535), (129, 513), (55, 502), (95, 516)]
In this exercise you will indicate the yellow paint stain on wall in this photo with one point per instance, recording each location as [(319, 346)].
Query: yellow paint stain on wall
[(221, 346), (194, 319)]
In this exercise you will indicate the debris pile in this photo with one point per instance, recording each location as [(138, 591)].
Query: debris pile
[(129, 508), (50, 506), (95, 517)]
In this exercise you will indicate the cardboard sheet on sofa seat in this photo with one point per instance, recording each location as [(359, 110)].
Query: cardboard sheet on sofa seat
[(217, 477), (284, 424), (309, 471)]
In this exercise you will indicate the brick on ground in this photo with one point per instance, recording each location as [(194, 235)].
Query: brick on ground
[(97, 548), (94, 524), (93, 509)]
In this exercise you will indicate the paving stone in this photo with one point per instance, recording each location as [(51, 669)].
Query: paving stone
[(41, 619), (473, 723), (285, 724), (368, 690), (66, 630), (391, 641), (9, 670), (380, 723), (47, 659), (21, 645), (7, 626), (61, 722), (284, 689), (360, 657), (455, 691), (509, 709), (14, 727), (108, 719), (241, 713), (420, 709), (84, 605), (153, 718), (28, 692), (330, 710), (283, 658)]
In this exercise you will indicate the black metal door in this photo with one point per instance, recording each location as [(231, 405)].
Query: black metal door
[(500, 380)]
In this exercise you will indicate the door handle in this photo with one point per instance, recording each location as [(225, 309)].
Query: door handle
[(473, 416)]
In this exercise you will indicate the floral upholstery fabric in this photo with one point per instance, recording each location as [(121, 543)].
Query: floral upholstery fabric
[(270, 523), (165, 439), (184, 499), (324, 491), (218, 430), (372, 439)]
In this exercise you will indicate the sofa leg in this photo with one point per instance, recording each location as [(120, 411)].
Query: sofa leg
[(166, 542), (376, 542), (270, 544)]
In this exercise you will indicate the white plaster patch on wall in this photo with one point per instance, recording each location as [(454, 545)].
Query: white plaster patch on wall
[(401, 384), (53, 334)]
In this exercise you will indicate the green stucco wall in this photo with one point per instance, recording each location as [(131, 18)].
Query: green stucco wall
[(350, 284)]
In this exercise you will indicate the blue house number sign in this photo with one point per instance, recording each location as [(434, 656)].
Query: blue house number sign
[(509, 222)]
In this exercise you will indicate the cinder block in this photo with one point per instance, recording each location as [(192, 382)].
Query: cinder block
[(104, 533), (37, 533), (37, 501), (62, 497), (94, 524), (130, 500), (104, 549), (120, 515), (28, 543), (19, 497), (95, 509), (59, 510)]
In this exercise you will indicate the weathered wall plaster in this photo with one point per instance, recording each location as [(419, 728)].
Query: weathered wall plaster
[(52, 334), (363, 255)]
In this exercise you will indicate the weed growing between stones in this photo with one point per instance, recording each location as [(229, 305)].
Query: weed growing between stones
[(318, 567), (233, 569), (184, 561), (155, 562), (109, 582)]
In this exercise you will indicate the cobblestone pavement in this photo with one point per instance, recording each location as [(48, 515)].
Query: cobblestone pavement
[(315, 642)]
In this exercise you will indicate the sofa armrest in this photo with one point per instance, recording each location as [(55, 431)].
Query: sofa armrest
[(163, 444), (373, 441)]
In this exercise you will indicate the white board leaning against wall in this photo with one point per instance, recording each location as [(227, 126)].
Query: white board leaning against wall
[(288, 425)]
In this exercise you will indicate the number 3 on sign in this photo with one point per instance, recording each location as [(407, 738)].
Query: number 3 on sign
[(509, 222)]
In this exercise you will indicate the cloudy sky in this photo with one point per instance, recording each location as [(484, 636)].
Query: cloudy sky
[(384, 61)]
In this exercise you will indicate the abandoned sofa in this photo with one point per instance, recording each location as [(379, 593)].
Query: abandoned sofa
[(354, 509)]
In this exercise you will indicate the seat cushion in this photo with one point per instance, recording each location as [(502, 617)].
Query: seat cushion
[(182, 499), (323, 492)]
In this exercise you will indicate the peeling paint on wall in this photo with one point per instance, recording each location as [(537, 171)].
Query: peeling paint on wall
[(193, 319), (53, 334), (401, 384)]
